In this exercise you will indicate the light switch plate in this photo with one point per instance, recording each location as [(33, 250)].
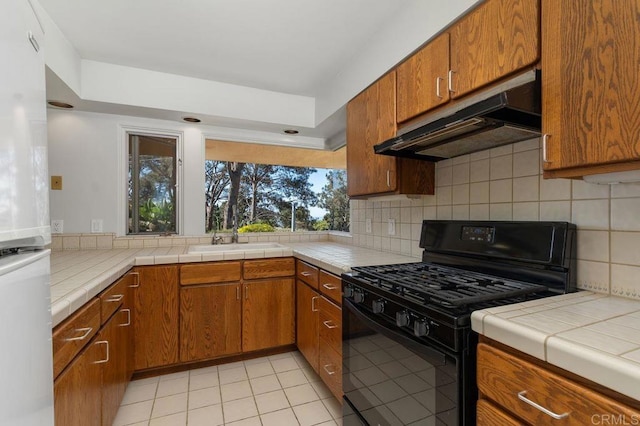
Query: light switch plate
[(96, 225), (391, 227), (367, 224), (57, 226)]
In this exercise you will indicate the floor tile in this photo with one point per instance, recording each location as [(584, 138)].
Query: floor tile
[(173, 376), (252, 421), (235, 390), (265, 384), (321, 389), (271, 401), (329, 423), (145, 381), (233, 375), (312, 413), (202, 381), (311, 375), (259, 370), (139, 393), (133, 413), (301, 394), (292, 378), (206, 416), (334, 407), (239, 409), (280, 356), (169, 405), (204, 397), (284, 364), (280, 418), (172, 387), (177, 419), (231, 366)]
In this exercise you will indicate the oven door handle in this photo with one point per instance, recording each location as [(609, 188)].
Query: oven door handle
[(434, 356)]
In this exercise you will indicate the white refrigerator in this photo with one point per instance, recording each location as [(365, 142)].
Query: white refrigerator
[(26, 367)]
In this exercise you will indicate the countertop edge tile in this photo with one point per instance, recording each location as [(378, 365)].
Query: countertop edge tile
[(614, 372), (517, 336)]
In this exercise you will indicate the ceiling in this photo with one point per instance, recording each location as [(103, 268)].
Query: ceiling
[(286, 46)]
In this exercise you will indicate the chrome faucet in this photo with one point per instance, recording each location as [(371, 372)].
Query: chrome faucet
[(216, 239)]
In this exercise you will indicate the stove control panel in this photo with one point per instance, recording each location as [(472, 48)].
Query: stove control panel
[(484, 234)]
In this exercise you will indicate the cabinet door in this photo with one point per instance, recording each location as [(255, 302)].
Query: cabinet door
[(494, 40), (156, 317), (114, 369), (422, 79), (268, 314), (307, 318), (590, 87), (371, 119), (488, 414), (78, 389), (210, 321)]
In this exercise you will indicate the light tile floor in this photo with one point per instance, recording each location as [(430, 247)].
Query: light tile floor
[(279, 390)]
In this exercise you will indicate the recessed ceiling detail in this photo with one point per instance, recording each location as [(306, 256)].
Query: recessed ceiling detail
[(58, 104), (191, 119)]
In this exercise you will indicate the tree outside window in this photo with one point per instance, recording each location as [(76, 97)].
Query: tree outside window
[(264, 195)]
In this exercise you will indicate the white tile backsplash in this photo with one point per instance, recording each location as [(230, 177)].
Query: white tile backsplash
[(506, 183)]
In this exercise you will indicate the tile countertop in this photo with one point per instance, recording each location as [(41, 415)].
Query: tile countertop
[(595, 336), (79, 275)]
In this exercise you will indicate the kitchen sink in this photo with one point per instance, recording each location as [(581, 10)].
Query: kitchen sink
[(209, 248)]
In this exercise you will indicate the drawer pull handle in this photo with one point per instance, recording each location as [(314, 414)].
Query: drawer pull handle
[(438, 81), (450, 81), (305, 273), (329, 372), (313, 304), (115, 298), (329, 324), (330, 286), (523, 398), (128, 311), (545, 139), (87, 331), (137, 280), (102, 361)]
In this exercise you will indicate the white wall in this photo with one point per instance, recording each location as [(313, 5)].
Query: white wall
[(83, 149)]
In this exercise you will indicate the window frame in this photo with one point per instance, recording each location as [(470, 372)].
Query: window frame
[(123, 173)]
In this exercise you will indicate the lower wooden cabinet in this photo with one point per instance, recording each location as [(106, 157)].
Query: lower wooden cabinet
[(156, 316), (512, 387), (268, 314), (210, 321), (90, 387), (307, 320)]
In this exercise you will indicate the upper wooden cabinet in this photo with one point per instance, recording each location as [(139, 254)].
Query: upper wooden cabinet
[(494, 40), (371, 119), (590, 87), (422, 79)]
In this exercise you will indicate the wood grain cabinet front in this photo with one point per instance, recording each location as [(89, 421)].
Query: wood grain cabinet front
[(307, 320), (530, 392), (371, 119), (156, 317), (590, 87)]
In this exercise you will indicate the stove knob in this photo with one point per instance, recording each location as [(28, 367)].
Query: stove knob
[(377, 306), (420, 328), (358, 296), (402, 319), (348, 291)]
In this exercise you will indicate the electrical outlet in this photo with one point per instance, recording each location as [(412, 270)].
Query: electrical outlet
[(96, 225), (56, 226), (367, 224), (391, 228)]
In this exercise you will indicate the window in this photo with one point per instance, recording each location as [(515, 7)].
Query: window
[(152, 184)]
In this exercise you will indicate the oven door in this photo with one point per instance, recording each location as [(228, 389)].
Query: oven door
[(392, 378)]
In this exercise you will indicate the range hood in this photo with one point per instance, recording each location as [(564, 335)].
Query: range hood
[(507, 113)]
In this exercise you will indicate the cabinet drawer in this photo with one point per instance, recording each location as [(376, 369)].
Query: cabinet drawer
[(511, 382), (268, 268), (488, 414), (113, 297), (331, 286), (74, 333), (208, 273), (331, 324), (330, 369), (307, 273)]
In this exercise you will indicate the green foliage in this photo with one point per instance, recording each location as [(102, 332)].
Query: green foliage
[(334, 199), (321, 225), (257, 227), (156, 217)]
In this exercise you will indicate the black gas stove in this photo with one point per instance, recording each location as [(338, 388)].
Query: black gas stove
[(425, 307)]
